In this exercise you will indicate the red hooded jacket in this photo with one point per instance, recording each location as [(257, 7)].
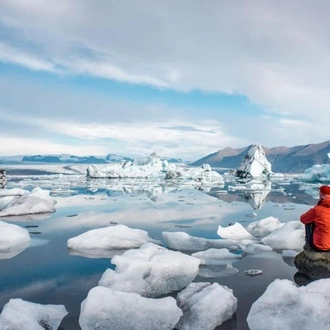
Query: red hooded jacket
[(319, 215)]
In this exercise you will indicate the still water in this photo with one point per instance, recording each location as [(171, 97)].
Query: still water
[(48, 273)]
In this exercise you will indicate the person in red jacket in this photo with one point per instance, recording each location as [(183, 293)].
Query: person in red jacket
[(317, 222)]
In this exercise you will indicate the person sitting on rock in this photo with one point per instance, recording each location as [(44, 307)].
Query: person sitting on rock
[(317, 223)]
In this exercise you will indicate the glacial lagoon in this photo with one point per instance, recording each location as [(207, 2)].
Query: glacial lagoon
[(47, 272)]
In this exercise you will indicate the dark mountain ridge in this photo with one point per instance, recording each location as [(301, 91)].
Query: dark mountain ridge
[(283, 159)]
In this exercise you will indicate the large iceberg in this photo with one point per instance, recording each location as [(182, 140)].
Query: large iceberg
[(284, 306), (151, 271), (13, 240), (110, 238), (254, 164), (38, 201), (151, 167), (155, 168), (19, 314), (105, 308), (205, 306)]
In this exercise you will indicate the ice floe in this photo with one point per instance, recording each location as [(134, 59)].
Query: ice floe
[(13, 240), (20, 314), (290, 236), (205, 306), (151, 271), (316, 173), (105, 308), (110, 238), (264, 226), (288, 307), (216, 256), (235, 231), (38, 201)]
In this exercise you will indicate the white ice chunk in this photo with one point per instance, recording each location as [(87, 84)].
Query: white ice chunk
[(235, 231), (285, 306), (316, 173), (112, 237), (251, 247), (205, 306), (264, 227), (290, 236), (211, 271), (216, 256), (253, 272), (38, 201), (105, 308), (20, 314), (151, 271), (13, 240), (182, 241)]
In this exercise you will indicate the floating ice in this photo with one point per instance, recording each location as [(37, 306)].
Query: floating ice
[(253, 272), (13, 240), (251, 247), (290, 236), (214, 271), (20, 314), (110, 238), (264, 227), (13, 192), (151, 271), (288, 307), (105, 308), (316, 173), (254, 163), (235, 231), (38, 201), (216, 256), (182, 241), (205, 306), (150, 168)]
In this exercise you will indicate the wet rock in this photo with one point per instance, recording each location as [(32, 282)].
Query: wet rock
[(314, 264)]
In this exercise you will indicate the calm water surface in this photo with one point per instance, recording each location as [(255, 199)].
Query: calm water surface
[(48, 273)]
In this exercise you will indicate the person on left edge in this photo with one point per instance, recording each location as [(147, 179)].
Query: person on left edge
[(317, 222)]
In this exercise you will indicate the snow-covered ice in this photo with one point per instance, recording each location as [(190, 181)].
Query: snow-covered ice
[(110, 238), (13, 240), (105, 308), (235, 231), (284, 306), (290, 236), (216, 256), (182, 241), (264, 226), (151, 271), (38, 201), (205, 306), (18, 314)]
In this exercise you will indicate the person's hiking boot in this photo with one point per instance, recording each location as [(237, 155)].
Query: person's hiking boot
[(307, 246)]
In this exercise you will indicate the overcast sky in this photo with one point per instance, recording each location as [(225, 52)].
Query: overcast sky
[(182, 78)]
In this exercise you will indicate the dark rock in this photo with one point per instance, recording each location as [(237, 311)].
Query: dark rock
[(314, 264)]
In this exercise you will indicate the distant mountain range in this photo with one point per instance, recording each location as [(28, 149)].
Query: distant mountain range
[(71, 159), (283, 159)]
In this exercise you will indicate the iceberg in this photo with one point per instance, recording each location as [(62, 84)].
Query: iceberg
[(290, 236), (38, 201), (288, 307), (205, 306), (264, 226), (216, 256), (316, 174), (13, 240), (254, 164), (110, 238), (151, 271), (235, 231), (182, 241), (20, 314), (105, 308), (152, 167)]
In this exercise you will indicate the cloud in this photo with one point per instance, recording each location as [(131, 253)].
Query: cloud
[(274, 53)]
